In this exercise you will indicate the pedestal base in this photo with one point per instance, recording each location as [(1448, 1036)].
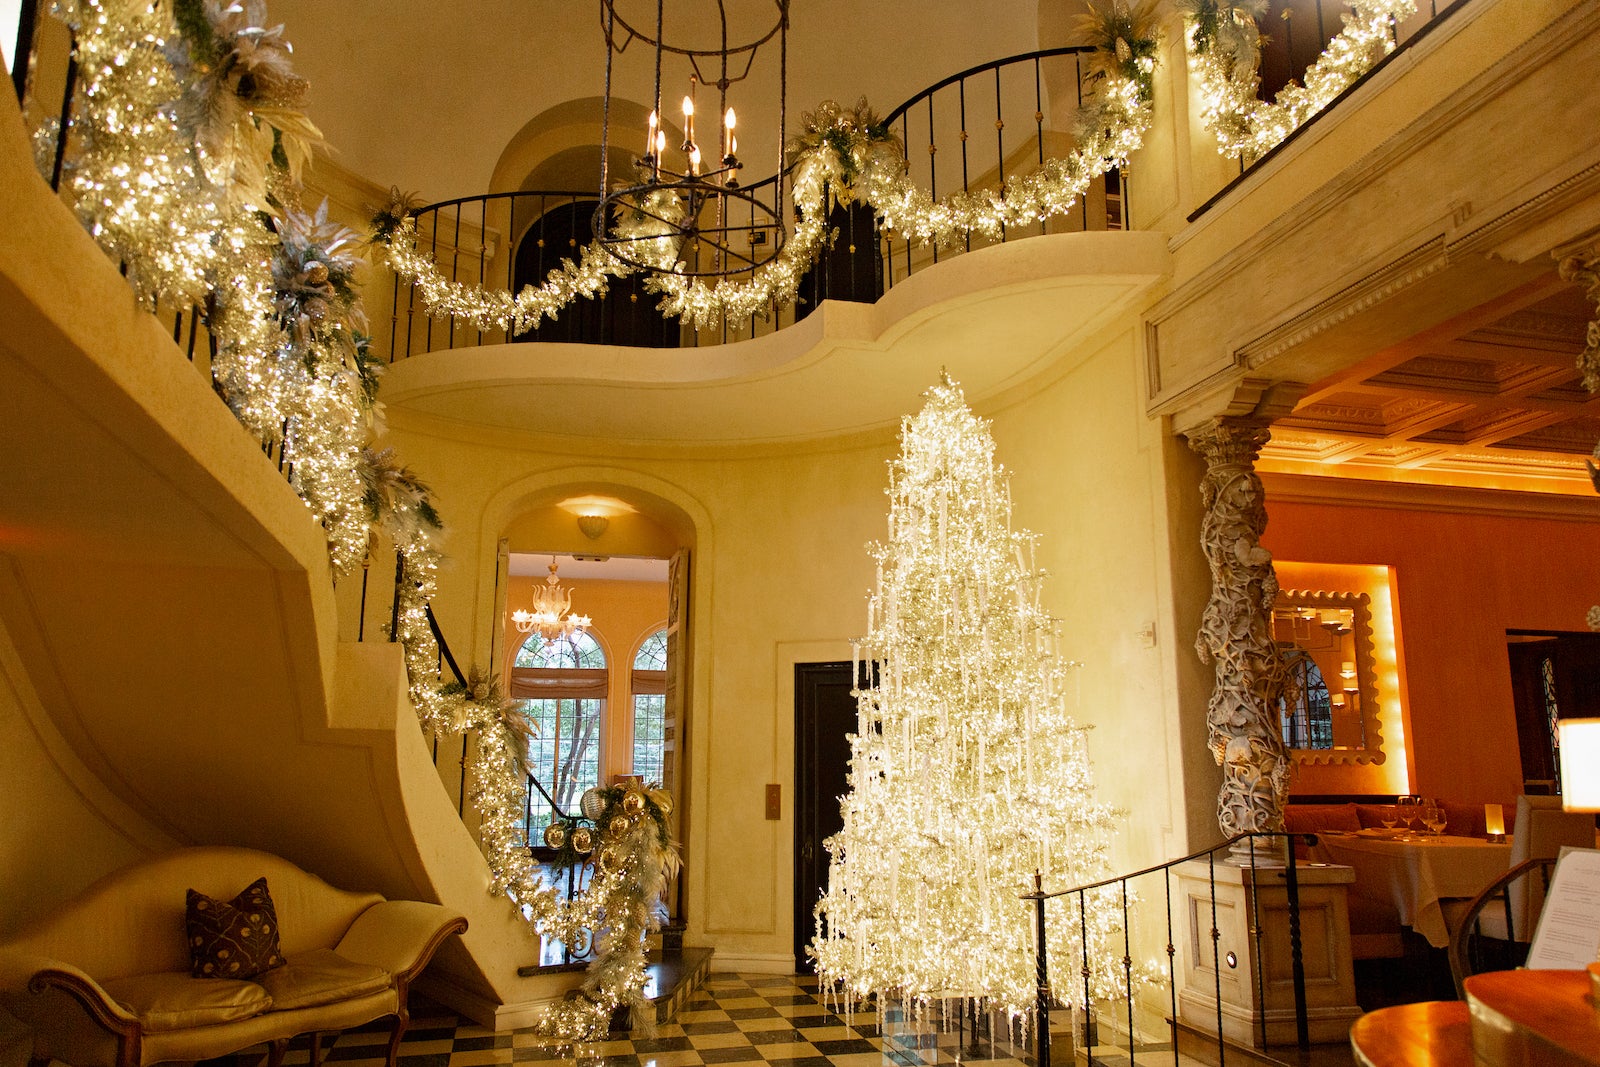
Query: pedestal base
[(1257, 994)]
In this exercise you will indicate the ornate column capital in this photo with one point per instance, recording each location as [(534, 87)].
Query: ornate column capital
[(1582, 267), (1229, 442)]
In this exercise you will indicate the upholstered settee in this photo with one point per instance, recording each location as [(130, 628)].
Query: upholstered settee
[(105, 981)]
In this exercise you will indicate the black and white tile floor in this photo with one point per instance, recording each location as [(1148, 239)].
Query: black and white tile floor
[(732, 1019)]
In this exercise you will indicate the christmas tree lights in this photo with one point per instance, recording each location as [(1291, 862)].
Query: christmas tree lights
[(967, 774)]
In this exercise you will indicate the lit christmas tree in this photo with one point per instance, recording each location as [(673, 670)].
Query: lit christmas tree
[(966, 773)]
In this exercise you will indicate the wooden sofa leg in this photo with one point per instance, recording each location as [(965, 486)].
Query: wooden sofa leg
[(402, 1019), (316, 1049), (275, 1051)]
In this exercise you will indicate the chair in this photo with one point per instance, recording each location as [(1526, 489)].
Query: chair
[(1468, 935), (1540, 831)]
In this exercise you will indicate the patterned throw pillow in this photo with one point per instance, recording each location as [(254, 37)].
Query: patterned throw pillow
[(235, 938)]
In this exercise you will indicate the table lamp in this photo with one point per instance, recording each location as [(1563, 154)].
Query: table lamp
[(1494, 822), (1579, 740)]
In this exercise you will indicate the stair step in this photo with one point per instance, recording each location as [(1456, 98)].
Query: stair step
[(670, 980), (1196, 1044)]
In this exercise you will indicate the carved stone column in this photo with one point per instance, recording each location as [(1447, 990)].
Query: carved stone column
[(1244, 733)]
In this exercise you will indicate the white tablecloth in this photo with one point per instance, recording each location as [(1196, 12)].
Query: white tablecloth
[(1415, 875)]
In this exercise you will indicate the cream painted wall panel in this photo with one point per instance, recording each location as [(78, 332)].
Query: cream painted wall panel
[(60, 828), (1085, 478)]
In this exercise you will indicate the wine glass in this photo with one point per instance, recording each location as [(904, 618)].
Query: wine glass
[(1433, 817), (1406, 809), (1390, 814)]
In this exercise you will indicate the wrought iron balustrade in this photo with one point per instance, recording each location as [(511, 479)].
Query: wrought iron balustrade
[(1120, 1018), (957, 136)]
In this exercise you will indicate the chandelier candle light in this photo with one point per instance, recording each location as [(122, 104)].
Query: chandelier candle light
[(687, 222), (551, 604)]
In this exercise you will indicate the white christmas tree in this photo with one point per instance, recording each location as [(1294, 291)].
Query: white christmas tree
[(967, 774)]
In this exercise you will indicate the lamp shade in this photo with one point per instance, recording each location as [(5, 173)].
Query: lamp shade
[(1580, 763)]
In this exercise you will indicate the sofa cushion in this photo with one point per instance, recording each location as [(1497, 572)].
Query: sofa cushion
[(172, 1000), (321, 976), (1314, 818), (235, 938)]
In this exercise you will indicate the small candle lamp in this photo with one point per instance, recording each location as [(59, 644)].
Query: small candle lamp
[(1494, 821)]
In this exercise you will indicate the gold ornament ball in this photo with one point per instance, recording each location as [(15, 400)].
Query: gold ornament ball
[(633, 802), (618, 825), (555, 835), (583, 840), (611, 857), (664, 802)]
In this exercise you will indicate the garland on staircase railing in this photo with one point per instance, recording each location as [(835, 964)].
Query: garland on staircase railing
[(1225, 50), (846, 153), (184, 153)]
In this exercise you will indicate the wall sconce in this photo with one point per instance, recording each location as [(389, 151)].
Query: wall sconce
[(1579, 741), (593, 525)]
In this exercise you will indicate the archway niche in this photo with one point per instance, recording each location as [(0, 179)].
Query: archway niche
[(627, 567)]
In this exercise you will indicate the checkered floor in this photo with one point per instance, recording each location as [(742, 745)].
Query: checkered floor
[(731, 1019)]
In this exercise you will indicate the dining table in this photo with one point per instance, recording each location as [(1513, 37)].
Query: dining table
[(1416, 873)]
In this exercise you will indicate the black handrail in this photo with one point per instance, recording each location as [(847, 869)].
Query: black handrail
[(1045, 992)]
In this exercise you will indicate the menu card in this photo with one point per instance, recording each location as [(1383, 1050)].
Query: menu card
[(1568, 935)]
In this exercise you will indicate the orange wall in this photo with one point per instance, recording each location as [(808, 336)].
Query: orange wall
[(1460, 581)]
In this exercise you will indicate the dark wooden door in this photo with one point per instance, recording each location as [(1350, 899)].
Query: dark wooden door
[(824, 717), (1553, 675)]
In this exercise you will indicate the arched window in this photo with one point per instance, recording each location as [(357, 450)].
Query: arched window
[(1306, 707), (563, 688), (649, 687)]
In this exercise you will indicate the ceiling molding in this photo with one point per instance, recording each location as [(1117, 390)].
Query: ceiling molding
[(1409, 496)]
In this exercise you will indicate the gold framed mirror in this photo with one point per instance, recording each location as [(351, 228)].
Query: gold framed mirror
[(1330, 710)]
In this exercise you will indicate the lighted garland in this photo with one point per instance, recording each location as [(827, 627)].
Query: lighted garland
[(185, 144), (1225, 52), (635, 856), (843, 152)]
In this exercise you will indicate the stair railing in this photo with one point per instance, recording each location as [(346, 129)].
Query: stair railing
[(553, 956), (1068, 994)]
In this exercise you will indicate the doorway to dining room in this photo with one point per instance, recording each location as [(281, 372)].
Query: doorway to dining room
[(1554, 675)]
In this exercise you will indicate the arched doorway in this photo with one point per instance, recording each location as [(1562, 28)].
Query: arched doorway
[(626, 566)]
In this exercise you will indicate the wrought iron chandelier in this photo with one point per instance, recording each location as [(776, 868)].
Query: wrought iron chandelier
[(688, 196), (550, 615)]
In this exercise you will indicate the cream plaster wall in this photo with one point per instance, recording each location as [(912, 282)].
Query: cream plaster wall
[(780, 573), (89, 831)]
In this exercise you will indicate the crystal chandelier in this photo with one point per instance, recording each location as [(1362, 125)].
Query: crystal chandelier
[(691, 198), (549, 616)]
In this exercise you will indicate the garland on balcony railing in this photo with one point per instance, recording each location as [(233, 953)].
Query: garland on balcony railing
[(185, 147), (1225, 50), (845, 152)]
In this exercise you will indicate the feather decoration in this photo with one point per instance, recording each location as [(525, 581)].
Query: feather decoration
[(394, 495), (1125, 36)]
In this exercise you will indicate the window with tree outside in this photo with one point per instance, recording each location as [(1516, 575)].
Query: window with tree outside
[(650, 707), (569, 678)]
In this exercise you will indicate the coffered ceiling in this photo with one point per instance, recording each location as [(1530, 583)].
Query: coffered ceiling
[(1493, 393)]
